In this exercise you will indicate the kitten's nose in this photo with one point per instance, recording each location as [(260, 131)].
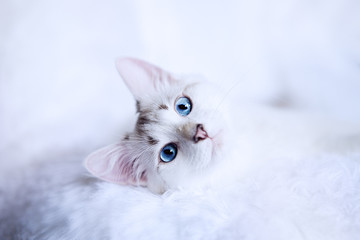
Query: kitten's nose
[(200, 134)]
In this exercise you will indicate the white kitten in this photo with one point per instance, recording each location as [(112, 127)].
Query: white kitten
[(179, 132)]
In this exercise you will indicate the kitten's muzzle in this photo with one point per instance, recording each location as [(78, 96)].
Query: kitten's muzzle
[(200, 133)]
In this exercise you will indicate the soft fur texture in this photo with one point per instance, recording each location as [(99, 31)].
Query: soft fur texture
[(287, 175)]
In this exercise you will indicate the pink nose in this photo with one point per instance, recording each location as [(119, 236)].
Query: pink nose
[(200, 134)]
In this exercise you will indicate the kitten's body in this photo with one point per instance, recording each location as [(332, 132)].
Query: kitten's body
[(278, 181)]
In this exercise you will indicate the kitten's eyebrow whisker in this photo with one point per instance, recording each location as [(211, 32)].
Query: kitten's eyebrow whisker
[(214, 113), (227, 94), (237, 81)]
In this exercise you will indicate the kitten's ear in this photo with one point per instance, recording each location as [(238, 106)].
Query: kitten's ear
[(114, 164), (142, 78)]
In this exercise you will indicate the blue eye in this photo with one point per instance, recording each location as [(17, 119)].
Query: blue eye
[(183, 106), (168, 153)]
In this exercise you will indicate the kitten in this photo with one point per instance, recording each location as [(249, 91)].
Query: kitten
[(179, 133)]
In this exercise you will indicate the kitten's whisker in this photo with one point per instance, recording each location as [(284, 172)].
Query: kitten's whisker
[(237, 81), (227, 94)]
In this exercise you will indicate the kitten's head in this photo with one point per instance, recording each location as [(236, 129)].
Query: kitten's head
[(179, 133)]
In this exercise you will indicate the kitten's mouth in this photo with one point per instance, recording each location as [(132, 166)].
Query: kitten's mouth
[(217, 142), (217, 139)]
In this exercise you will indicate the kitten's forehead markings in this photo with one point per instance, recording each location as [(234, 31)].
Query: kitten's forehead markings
[(152, 141), (142, 121), (145, 118), (163, 107)]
